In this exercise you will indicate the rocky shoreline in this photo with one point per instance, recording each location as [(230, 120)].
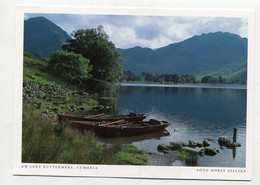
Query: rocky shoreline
[(53, 99), (187, 151)]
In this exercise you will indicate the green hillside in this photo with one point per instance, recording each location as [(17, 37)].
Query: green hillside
[(213, 54), (35, 70)]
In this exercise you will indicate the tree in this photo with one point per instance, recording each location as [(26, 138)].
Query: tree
[(209, 80), (71, 67), (188, 79), (129, 76), (167, 77), (175, 78), (106, 61), (221, 80), (158, 78), (147, 76), (204, 79)]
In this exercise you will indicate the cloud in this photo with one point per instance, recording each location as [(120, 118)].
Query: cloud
[(147, 31), (243, 30)]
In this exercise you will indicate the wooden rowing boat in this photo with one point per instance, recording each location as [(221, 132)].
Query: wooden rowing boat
[(120, 127), (102, 117)]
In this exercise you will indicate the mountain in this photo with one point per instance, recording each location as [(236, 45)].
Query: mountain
[(41, 36), (213, 54)]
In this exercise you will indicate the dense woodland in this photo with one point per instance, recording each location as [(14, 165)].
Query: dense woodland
[(176, 79)]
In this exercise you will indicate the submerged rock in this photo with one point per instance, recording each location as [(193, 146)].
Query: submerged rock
[(206, 143), (185, 144), (202, 152), (223, 140), (162, 147), (192, 143), (192, 160), (211, 151), (190, 150), (175, 145)]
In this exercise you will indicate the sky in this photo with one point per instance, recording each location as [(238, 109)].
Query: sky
[(147, 31)]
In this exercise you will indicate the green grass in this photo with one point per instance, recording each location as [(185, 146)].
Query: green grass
[(50, 105), (182, 155), (35, 70), (131, 155), (41, 145), (187, 157)]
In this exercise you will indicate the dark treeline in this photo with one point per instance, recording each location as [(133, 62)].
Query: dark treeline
[(175, 78), (159, 78)]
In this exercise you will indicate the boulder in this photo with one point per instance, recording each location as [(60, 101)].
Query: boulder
[(190, 150), (176, 143), (192, 160), (206, 143), (223, 140), (202, 152), (162, 147), (199, 145), (211, 151), (175, 146), (192, 143), (179, 143), (185, 144)]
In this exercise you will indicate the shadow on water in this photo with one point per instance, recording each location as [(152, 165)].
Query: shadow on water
[(138, 138)]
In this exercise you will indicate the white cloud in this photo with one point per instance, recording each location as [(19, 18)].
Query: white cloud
[(140, 21), (148, 31), (243, 30), (178, 31), (118, 35)]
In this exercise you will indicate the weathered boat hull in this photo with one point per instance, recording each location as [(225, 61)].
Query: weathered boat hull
[(138, 117), (119, 130)]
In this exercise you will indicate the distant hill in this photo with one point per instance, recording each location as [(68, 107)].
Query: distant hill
[(213, 54), (41, 36)]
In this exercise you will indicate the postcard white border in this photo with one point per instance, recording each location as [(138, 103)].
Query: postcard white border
[(167, 172)]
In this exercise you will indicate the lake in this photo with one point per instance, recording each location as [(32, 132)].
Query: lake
[(195, 113)]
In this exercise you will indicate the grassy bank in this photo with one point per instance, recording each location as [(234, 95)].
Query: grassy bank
[(40, 144), (44, 98), (35, 74)]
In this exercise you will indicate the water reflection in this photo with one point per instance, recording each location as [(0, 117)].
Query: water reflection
[(234, 151), (194, 113)]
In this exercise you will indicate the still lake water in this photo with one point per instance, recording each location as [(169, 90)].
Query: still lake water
[(194, 114)]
